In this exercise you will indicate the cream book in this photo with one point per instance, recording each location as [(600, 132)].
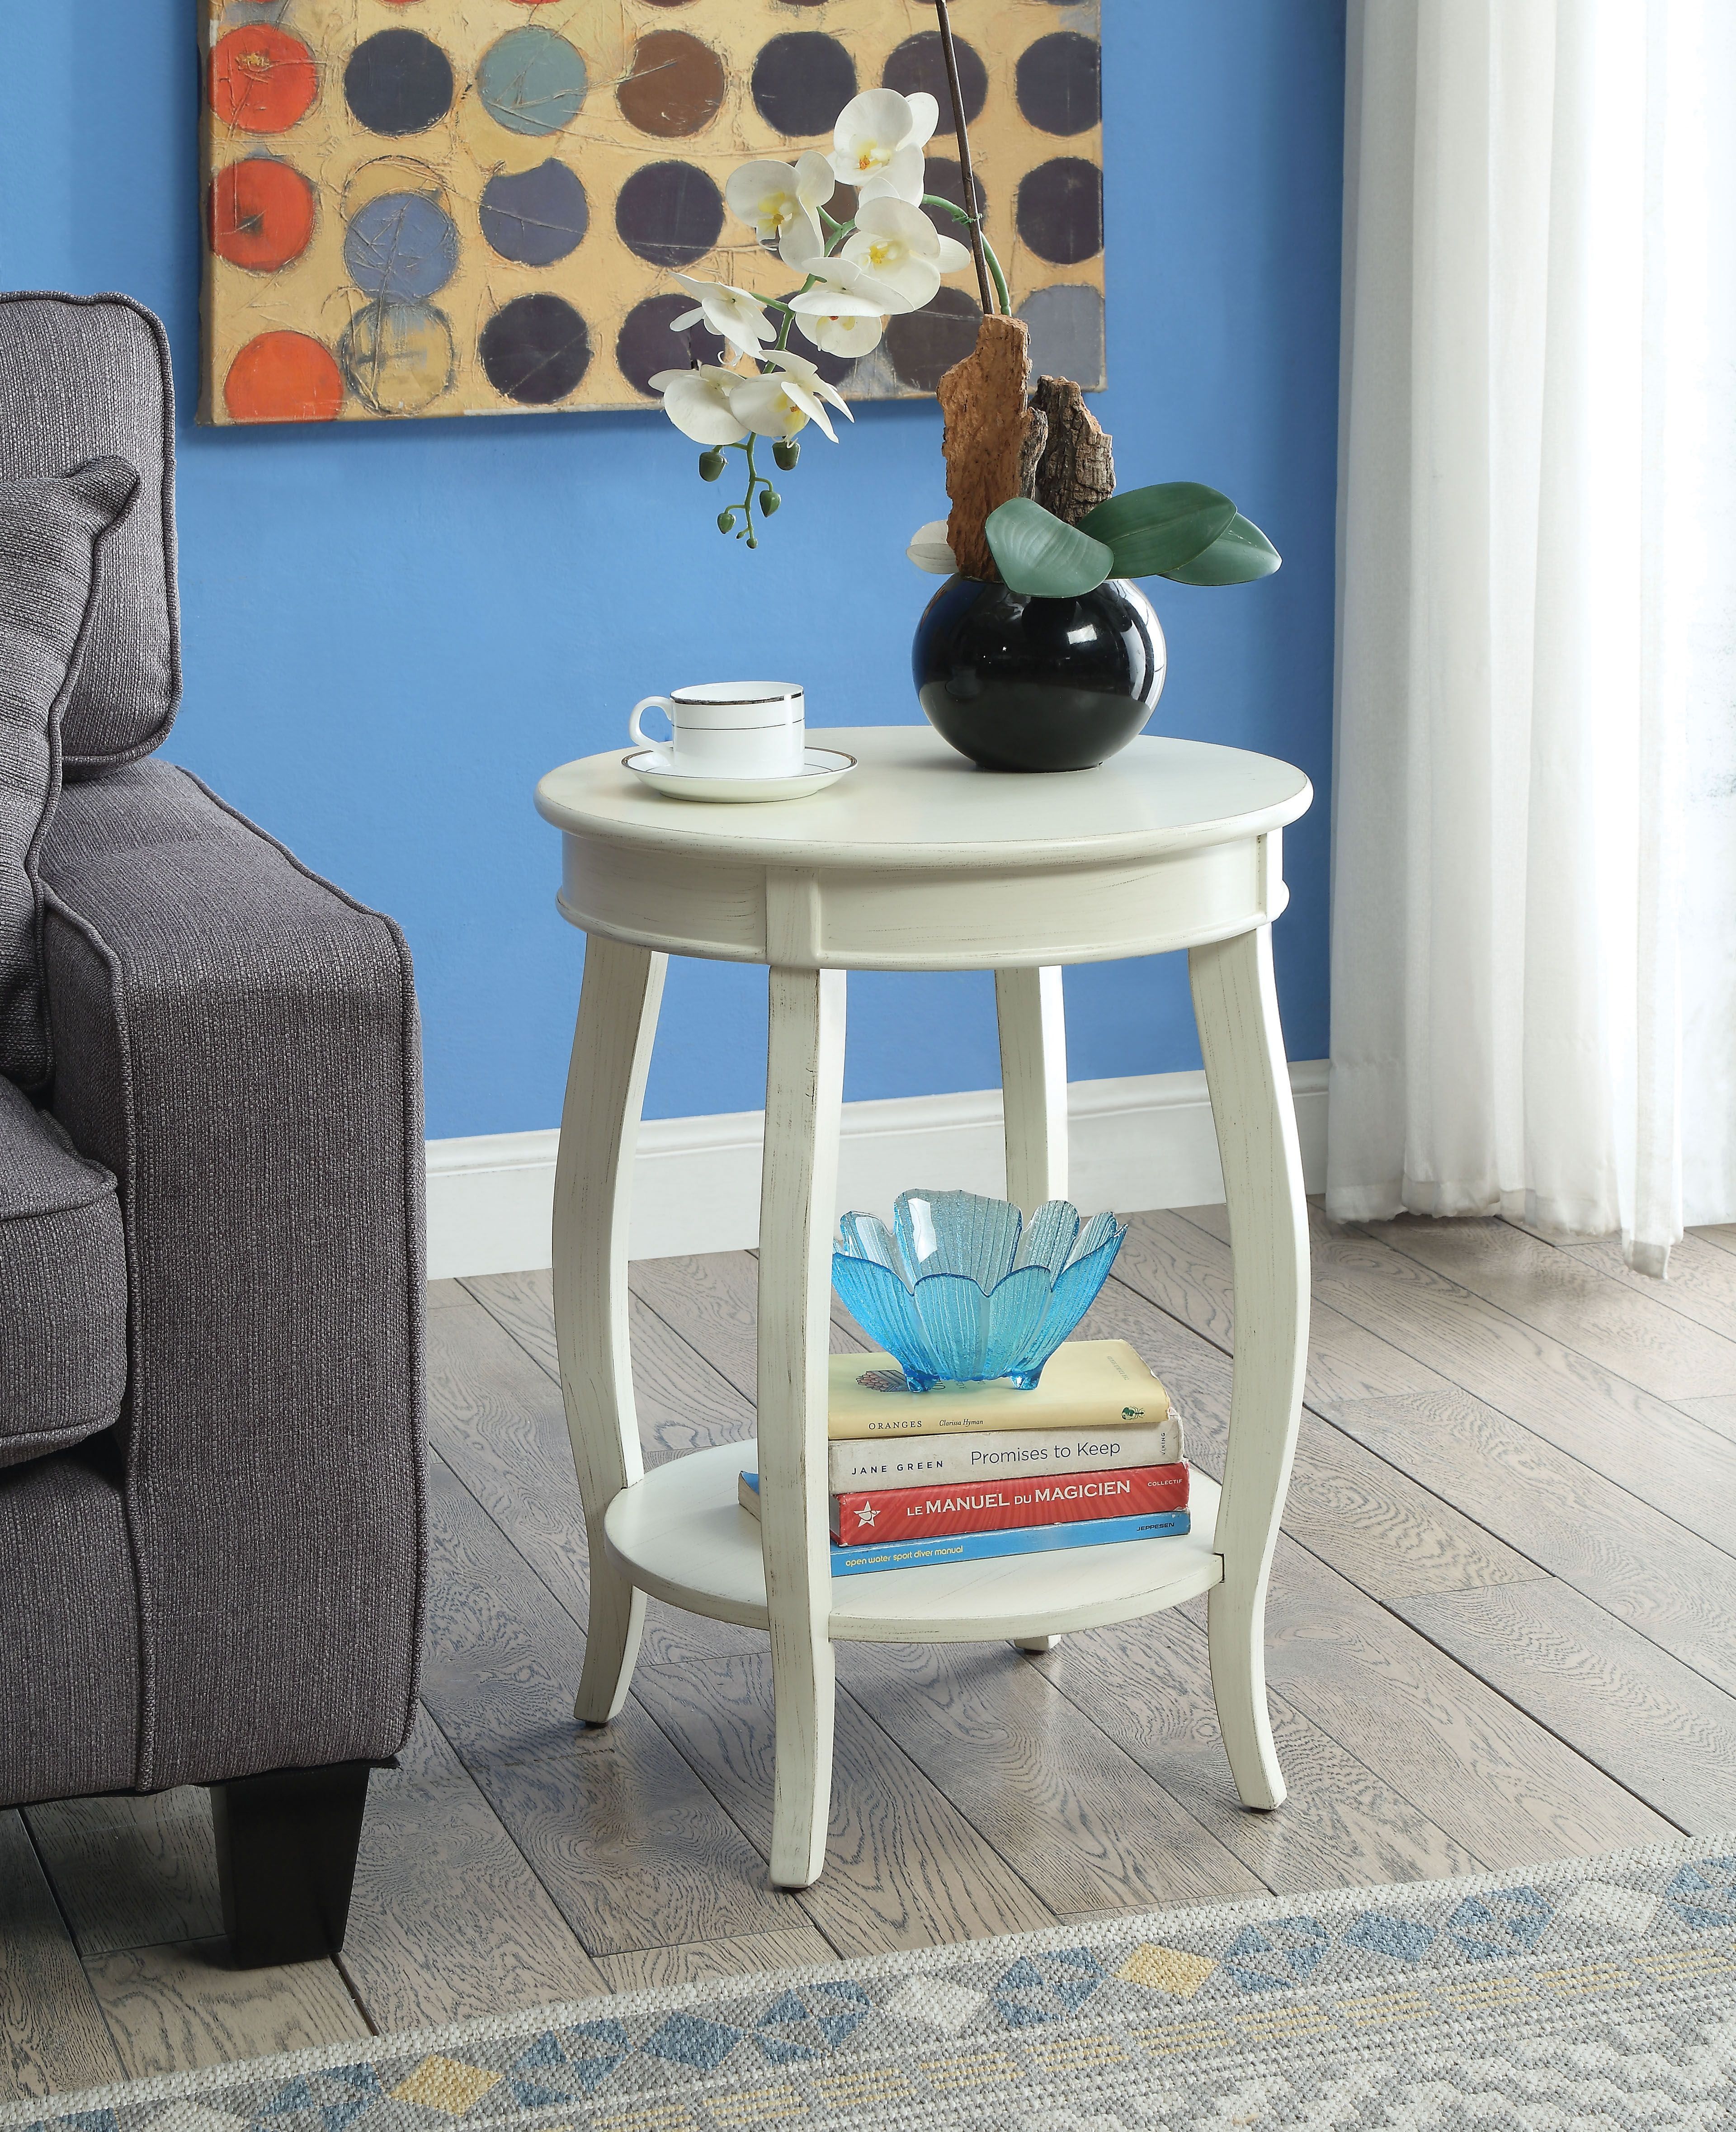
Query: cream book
[(1085, 1384)]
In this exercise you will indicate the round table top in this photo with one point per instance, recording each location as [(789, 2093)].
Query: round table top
[(913, 801)]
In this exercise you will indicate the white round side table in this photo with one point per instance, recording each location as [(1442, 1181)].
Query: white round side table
[(917, 861)]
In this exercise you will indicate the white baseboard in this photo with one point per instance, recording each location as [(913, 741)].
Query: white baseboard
[(1139, 1143)]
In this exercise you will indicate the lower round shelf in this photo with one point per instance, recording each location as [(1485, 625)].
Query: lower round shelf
[(681, 1535)]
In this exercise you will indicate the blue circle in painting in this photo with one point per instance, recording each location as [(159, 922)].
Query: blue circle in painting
[(402, 246), (531, 81), (535, 217)]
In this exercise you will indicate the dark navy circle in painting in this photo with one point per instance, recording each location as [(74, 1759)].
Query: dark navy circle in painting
[(802, 81), (924, 345), (535, 350), (1060, 210), (398, 81), (644, 345), (402, 245), (532, 81), (670, 213), (397, 357), (1061, 83), (919, 63), (536, 216)]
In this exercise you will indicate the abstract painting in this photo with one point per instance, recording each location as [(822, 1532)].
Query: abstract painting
[(467, 207)]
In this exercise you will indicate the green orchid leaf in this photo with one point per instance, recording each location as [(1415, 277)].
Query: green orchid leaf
[(1153, 531), (1041, 555), (1240, 553)]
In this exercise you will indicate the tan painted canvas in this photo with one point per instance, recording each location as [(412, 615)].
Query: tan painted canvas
[(462, 207)]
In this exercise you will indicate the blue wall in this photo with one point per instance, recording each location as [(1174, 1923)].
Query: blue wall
[(391, 631)]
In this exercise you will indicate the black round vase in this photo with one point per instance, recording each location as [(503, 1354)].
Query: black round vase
[(1018, 683)]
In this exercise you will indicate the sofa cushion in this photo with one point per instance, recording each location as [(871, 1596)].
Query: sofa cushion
[(82, 377), (51, 532), (63, 1288)]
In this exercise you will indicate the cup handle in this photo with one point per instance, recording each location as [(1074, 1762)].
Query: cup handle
[(638, 731)]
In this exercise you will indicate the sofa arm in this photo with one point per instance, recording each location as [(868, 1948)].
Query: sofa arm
[(238, 1043)]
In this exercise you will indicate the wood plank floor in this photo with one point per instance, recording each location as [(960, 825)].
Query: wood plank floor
[(1503, 1630)]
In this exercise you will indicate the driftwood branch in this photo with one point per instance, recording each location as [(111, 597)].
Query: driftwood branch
[(988, 424), (1076, 471)]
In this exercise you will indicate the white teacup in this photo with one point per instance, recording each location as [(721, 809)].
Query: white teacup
[(729, 729)]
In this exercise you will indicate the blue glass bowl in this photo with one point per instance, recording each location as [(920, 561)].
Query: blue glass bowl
[(960, 1290)]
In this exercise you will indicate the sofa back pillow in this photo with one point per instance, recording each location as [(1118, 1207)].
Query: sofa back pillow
[(52, 527), (83, 378)]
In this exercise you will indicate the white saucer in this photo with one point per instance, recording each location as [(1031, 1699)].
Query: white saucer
[(820, 766)]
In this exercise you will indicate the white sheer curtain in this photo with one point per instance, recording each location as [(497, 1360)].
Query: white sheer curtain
[(1534, 882)]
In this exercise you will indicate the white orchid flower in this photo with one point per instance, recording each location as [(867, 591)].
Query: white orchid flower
[(842, 312), (846, 278), (803, 381), (845, 330), (697, 402), (877, 144), (768, 408), (733, 315), (932, 551), (782, 200), (897, 244)]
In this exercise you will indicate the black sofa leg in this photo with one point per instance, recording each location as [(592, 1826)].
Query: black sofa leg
[(286, 1845)]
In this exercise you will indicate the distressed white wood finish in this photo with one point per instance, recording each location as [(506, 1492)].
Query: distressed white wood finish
[(804, 1094), (684, 1535), (917, 862), (1236, 1004), (1033, 1019), (1171, 843), (611, 1053)]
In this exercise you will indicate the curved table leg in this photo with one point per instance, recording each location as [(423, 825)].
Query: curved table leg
[(1235, 1004), (804, 1088), (1028, 1006), (611, 1050)]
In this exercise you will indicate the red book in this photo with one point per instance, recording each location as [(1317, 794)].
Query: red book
[(876, 1515)]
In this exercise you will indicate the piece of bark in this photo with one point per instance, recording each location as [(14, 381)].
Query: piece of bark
[(988, 421), (1077, 470), (1036, 441)]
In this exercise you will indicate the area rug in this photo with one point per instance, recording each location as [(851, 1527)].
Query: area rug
[(1592, 1994)]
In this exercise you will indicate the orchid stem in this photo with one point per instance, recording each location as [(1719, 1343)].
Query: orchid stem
[(755, 480), (950, 54), (958, 214)]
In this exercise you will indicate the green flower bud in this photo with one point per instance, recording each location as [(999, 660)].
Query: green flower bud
[(725, 522), (710, 465), (770, 500), (786, 452)]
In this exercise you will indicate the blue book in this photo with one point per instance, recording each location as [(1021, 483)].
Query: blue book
[(983, 1546)]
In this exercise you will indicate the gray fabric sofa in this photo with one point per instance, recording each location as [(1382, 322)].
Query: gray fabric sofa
[(211, 1255)]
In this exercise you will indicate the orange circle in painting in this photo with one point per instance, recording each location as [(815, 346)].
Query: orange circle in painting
[(261, 214), (283, 378), (262, 80)]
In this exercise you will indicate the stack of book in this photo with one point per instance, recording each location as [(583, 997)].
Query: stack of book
[(1092, 1456)]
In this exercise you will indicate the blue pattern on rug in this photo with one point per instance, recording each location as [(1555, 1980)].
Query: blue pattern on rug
[(1514, 1918), (556, 2068), (1693, 1881), (686, 2039), (1406, 1939), (1045, 1987)]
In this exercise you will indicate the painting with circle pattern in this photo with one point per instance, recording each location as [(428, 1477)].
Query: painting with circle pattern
[(470, 207)]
